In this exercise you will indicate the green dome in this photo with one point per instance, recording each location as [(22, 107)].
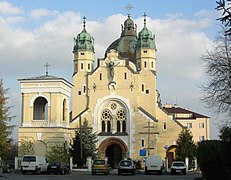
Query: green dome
[(146, 39), (84, 41)]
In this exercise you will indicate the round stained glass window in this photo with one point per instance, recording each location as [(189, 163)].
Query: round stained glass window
[(106, 114), (113, 106), (121, 114)]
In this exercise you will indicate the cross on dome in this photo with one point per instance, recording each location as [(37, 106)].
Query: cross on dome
[(129, 7), (47, 66)]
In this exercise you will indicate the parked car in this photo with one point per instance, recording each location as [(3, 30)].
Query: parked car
[(178, 167), (153, 164), (57, 167), (126, 166), (100, 166), (34, 164)]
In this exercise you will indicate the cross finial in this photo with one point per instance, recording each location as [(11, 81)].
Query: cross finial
[(47, 66), (84, 21), (145, 15), (129, 7)]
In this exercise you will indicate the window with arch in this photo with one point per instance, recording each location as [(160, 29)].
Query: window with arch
[(106, 120), (165, 126), (40, 109), (121, 120), (64, 110)]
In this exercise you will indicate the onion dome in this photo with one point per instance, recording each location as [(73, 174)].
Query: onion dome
[(126, 44), (84, 41), (145, 38)]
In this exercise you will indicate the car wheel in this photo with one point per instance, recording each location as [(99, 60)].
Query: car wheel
[(184, 172), (62, 172), (23, 172), (160, 172), (119, 172)]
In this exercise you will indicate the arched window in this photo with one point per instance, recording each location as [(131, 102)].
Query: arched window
[(40, 109), (64, 110), (108, 126), (124, 126), (118, 126), (103, 126)]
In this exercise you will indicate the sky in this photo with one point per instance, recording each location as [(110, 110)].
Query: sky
[(34, 32)]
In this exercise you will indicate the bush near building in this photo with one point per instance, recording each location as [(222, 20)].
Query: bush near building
[(214, 159)]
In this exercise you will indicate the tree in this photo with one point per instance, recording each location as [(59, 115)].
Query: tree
[(58, 152), (185, 147), (5, 129), (224, 6), (217, 92), (84, 144), (26, 148), (225, 134)]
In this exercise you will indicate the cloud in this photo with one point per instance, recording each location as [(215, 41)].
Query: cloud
[(7, 8), (42, 12)]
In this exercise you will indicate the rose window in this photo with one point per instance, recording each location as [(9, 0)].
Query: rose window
[(106, 114), (121, 114)]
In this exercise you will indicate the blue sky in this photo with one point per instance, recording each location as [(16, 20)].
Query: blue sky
[(34, 32)]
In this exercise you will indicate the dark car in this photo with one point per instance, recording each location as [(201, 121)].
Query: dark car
[(126, 166), (57, 167), (178, 167)]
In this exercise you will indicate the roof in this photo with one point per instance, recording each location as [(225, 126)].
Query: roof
[(43, 78), (178, 110)]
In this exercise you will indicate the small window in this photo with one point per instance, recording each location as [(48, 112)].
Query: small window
[(89, 66), (100, 76), (145, 64), (145, 51), (152, 64), (84, 89), (189, 125), (142, 142), (201, 138), (147, 91), (201, 125), (142, 87), (82, 53), (79, 92), (165, 126), (81, 66), (125, 75)]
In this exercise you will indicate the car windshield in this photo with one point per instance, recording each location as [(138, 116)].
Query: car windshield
[(29, 159), (178, 164), (125, 163), (98, 162)]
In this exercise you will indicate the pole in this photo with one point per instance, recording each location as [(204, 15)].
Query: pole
[(81, 141), (148, 137)]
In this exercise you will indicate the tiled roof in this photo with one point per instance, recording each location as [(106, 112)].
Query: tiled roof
[(178, 110)]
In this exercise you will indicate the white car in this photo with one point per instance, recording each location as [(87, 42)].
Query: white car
[(178, 167)]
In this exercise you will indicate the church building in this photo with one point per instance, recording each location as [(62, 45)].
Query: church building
[(118, 98)]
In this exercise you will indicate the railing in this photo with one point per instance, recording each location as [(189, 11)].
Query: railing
[(44, 123)]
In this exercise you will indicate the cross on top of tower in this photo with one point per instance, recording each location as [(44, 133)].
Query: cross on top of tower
[(145, 15), (129, 7), (47, 66), (84, 21)]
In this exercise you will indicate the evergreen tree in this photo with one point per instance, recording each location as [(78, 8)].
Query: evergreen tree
[(185, 147), (85, 139), (58, 152), (225, 134), (5, 129)]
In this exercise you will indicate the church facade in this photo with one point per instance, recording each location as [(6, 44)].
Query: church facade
[(118, 98)]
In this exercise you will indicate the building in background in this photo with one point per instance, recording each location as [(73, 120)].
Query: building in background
[(198, 124)]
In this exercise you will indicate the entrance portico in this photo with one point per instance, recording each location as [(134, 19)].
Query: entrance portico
[(114, 149)]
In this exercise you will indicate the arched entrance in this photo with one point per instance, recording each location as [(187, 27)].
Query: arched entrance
[(114, 149), (114, 155), (170, 154)]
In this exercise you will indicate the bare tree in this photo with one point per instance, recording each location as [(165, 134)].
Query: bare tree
[(225, 7), (217, 92)]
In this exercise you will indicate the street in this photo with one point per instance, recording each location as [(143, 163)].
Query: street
[(86, 176)]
